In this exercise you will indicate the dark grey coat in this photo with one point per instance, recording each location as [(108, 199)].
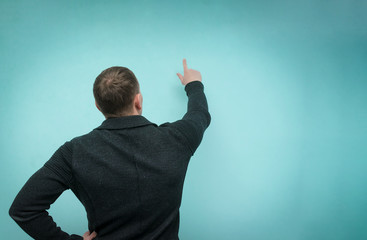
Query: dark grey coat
[(128, 173)]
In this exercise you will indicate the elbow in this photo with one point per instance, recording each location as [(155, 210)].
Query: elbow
[(14, 212), (208, 118), (17, 213), (22, 213)]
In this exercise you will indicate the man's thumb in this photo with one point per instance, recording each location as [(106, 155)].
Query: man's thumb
[(180, 77)]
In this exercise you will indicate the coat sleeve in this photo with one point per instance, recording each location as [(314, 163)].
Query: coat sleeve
[(197, 118), (29, 209)]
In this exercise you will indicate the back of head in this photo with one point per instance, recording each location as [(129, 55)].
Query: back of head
[(114, 90)]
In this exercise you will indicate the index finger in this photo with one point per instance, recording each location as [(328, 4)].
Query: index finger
[(185, 64)]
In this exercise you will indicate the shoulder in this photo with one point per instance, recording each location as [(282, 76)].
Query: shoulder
[(85, 138)]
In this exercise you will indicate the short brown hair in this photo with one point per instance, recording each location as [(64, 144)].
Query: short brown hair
[(114, 90)]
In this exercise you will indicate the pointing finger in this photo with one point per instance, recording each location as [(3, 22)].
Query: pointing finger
[(185, 64)]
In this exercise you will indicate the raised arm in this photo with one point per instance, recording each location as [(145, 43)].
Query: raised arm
[(197, 118)]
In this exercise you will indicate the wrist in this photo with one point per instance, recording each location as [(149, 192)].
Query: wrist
[(194, 86)]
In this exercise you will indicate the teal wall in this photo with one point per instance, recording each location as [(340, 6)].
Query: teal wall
[(285, 156)]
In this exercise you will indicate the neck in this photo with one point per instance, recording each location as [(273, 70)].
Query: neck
[(132, 113)]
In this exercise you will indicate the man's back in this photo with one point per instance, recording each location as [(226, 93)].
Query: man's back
[(134, 172), (128, 173)]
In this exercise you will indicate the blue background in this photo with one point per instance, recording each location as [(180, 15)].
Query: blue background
[(285, 154)]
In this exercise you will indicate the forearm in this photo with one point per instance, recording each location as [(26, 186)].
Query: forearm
[(197, 118), (197, 106), (40, 225)]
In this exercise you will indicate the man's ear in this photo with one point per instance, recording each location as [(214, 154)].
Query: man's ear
[(138, 101), (138, 104), (97, 105)]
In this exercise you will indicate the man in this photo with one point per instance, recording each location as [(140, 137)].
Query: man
[(128, 173)]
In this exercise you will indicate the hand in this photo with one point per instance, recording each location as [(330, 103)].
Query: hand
[(190, 75), (88, 236)]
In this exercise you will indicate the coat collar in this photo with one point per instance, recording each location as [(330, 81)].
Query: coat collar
[(125, 122)]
